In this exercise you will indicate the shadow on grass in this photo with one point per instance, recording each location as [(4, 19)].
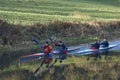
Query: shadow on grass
[(12, 57), (89, 71), (17, 75)]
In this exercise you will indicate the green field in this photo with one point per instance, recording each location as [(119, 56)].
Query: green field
[(31, 11)]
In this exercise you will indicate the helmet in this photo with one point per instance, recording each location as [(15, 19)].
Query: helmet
[(47, 43)]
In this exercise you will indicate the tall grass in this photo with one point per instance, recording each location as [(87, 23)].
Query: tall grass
[(16, 37)]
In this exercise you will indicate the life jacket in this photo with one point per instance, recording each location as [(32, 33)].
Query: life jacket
[(62, 47), (47, 49), (105, 44), (93, 48), (48, 56), (95, 45)]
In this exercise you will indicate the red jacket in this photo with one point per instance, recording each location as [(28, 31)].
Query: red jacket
[(47, 49)]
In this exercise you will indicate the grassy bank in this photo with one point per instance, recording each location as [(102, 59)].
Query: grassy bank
[(77, 68), (15, 37), (32, 11)]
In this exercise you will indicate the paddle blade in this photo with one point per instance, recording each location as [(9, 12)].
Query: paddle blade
[(36, 70), (35, 40)]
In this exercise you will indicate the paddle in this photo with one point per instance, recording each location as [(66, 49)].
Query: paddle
[(35, 40), (38, 68), (52, 65)]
